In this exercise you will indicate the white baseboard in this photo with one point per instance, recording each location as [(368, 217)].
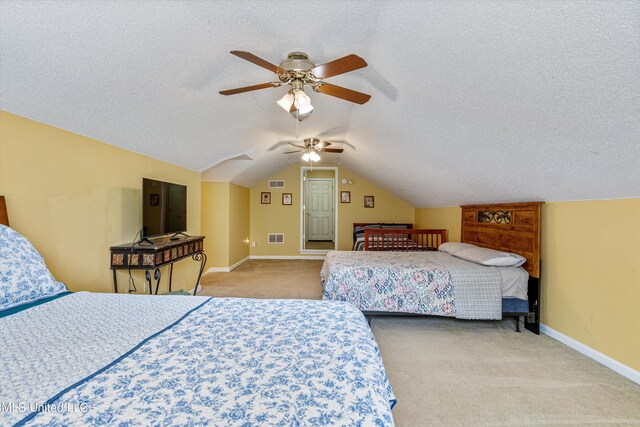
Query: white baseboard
[(242, 261), (227, 269), (239, 263), (217, 270), (603, 359), (311, 257)]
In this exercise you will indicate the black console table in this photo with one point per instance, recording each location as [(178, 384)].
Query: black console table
[(151, 256)]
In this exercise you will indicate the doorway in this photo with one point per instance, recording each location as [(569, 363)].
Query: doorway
[(320, 226), (319, 210)]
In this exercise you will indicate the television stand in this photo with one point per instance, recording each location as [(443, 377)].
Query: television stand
[(151, 257)]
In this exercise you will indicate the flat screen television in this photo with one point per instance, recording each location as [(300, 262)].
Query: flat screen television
[(164, 208)]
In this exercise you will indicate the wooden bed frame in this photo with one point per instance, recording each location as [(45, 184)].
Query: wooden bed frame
[(408, 225), (404, 240), (4, 217), (507, 227), (400, 239), (510, 227)]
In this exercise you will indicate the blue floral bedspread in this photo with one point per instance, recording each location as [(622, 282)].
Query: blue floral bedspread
[(432, 283), (209, 361)]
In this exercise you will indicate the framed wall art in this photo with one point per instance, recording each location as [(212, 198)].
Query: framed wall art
[(368, 201)]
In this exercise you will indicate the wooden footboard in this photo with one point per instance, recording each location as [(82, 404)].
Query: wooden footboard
[(4, 218), (394, 239)]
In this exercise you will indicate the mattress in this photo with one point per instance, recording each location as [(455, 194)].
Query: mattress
[(433, 283), (110, 359), (513, 280)]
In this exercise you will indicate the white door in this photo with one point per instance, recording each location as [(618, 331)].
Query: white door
[(320, 209)]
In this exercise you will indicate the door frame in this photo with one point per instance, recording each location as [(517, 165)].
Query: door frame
[(303, 201), (330, 181)]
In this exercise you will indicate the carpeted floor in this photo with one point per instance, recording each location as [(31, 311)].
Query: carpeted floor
[(266, 279), (448, 372), (320, 245)]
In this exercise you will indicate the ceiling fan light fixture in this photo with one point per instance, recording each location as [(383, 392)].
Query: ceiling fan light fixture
[(302, 113), (314, 157), (306, 157), (302, 100), (286, 101)]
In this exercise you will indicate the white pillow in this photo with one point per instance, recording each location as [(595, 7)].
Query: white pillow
[(483, 256), (455, 247)]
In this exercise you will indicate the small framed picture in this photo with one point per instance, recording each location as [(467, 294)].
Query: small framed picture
[(368, 201), (345, 197), (154, 199), (265, 198), (287, 199)]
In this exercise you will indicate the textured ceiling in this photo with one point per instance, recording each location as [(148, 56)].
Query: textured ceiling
[(472, 101)]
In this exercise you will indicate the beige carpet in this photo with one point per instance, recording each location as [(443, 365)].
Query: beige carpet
[(319, 245), (447, 372), (266, 279)]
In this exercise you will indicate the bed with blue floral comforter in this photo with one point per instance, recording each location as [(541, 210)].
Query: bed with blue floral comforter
[(100, 359)]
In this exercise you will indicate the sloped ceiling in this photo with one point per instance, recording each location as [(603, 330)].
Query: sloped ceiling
[(472, 101)]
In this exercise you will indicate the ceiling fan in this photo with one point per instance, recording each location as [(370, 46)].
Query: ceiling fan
[(311, 148), (298, 72)]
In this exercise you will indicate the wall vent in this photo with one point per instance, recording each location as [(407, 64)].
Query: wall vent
[(276, 183), (276, 238)]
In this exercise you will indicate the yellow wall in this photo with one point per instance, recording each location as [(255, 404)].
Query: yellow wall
[(277, 218), (591, 274), (590, 271), (387, 208), (239, 222), (321, 173), (225, 222), (448, 218), (215, 222), (74, 197)]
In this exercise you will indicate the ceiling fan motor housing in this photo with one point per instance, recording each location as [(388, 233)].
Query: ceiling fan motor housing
[(311, 142), (297, 61)]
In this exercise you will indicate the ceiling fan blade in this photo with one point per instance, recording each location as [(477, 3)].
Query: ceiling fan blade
[(323, 144), (297, 146), (246, 89), (333, 150), (339, 66), (343, 93), (258, 61), (290, 152)]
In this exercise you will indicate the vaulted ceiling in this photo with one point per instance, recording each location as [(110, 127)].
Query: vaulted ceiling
[(472, 101)]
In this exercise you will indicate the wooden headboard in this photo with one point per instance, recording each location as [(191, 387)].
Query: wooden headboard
[(4, 217), (508, 227)]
